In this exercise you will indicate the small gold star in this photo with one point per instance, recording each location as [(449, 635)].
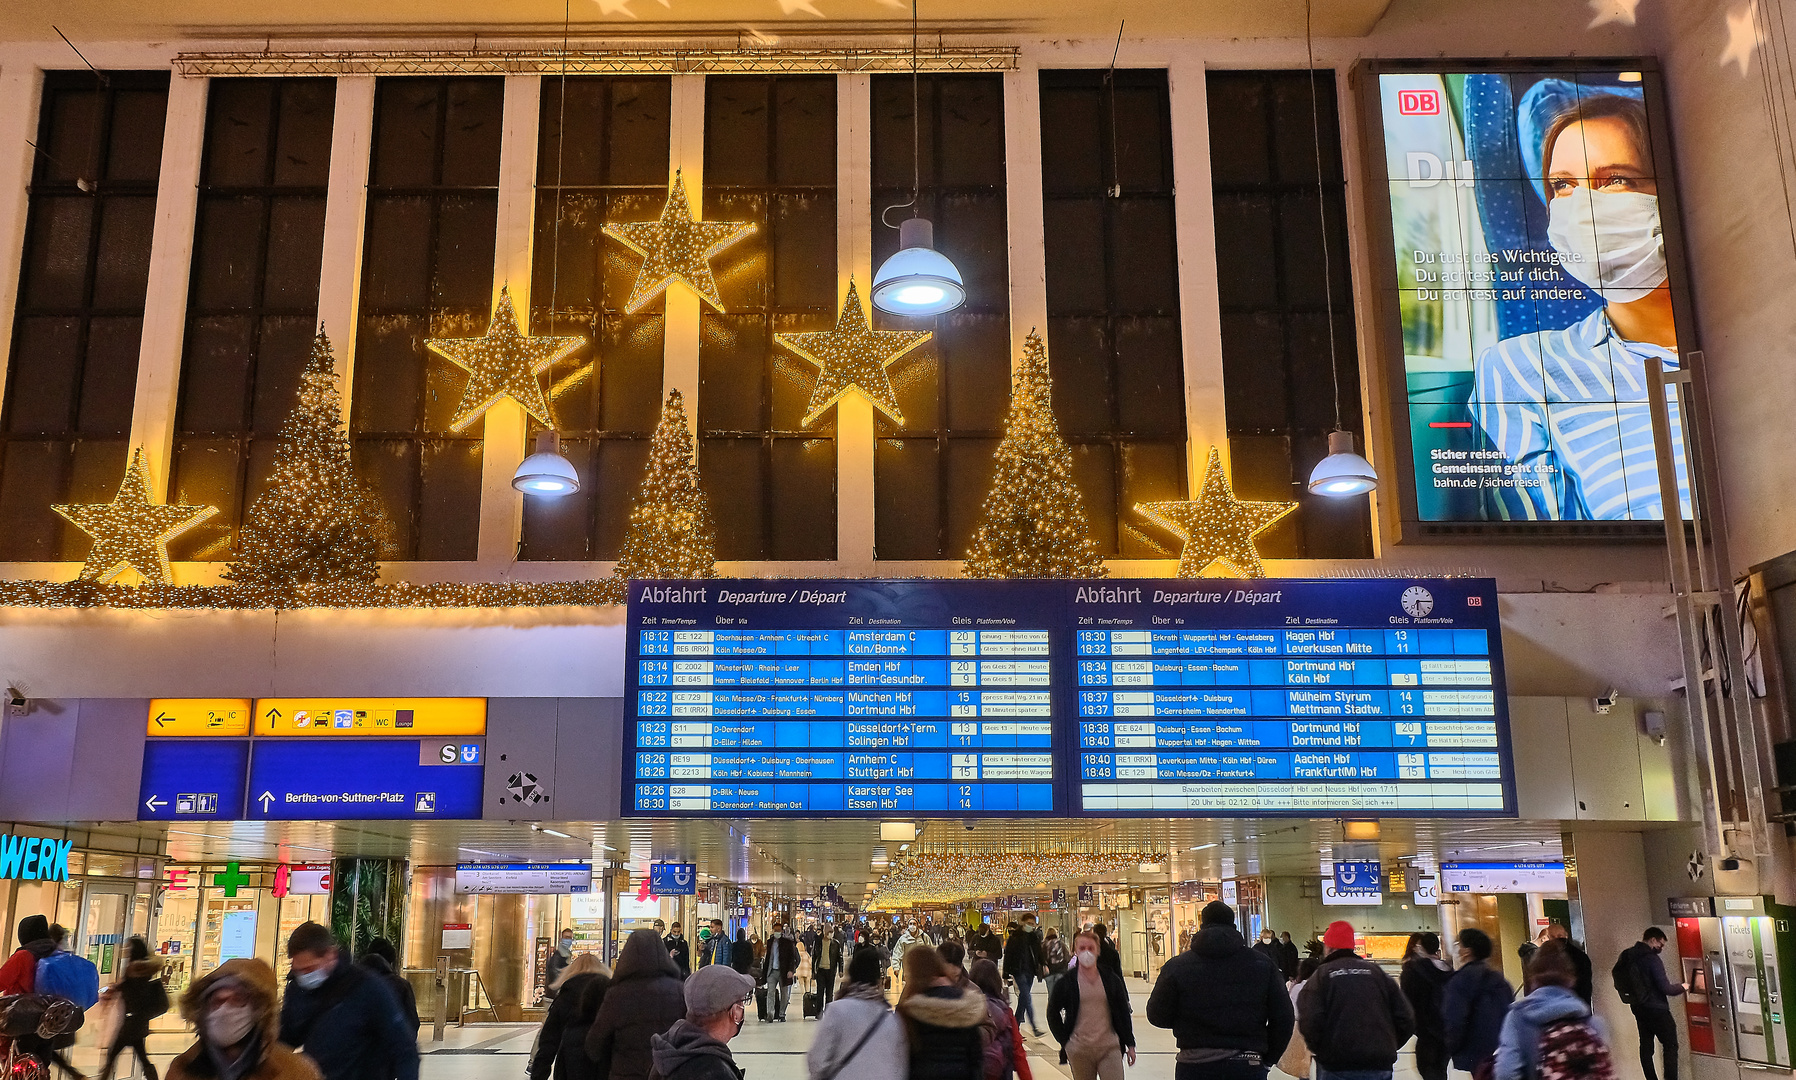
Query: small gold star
[(676, 248), (504, 363), (1218, 529), (130, 532), (853, 356)]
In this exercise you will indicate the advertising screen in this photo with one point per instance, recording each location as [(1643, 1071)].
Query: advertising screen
[(1533, 283)]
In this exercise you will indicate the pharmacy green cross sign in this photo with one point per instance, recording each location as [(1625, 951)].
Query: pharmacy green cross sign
[(232, 879)]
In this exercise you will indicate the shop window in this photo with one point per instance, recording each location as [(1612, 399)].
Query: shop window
[(252, 301), (65, 414), (770, 159), (1113, 295), (602, 157), (932, 473), (1279, 390), (427, 271)]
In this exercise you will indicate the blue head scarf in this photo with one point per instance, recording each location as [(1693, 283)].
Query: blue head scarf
[(1545, 101)]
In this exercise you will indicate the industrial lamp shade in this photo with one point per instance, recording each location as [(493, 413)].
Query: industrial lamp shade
[(546, 473), (917, 280), (1343, 472)]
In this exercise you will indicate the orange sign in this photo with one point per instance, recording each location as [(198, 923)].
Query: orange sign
[(377, 717), (199, 717)]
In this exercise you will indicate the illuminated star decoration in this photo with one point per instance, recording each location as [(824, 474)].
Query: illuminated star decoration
[(1608, 11), (614, 7), (853, 356), (1218, 529), (1743, 37), (676, 248), (787, 7), (504, 363), (130, 532)]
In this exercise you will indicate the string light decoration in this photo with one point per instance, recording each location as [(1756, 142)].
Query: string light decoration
[(676, 248), (130, 532), (853, 356), (1033, 524), (1217, 528), (671, 534), (505, 362), (317, 521), (943, 877)]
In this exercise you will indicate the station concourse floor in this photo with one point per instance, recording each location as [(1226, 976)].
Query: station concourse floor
[(765, 1051)]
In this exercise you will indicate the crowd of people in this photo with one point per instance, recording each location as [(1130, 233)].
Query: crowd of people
[(918, 1001)]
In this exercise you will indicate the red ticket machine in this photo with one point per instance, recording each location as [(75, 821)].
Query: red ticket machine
[(1705, 977)]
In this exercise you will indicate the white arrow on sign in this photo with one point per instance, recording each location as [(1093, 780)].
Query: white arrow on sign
[(265, 798), (155, 803)]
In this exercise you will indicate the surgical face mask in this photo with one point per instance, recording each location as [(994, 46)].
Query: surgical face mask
[(567, 947), (312, 980), (1611, 240), (228, 1025), (1087, 958)]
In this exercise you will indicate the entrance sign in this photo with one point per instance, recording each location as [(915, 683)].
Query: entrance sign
[(204, 717), (675, 879), (531, 878), (1359, 877), (1515, 877)]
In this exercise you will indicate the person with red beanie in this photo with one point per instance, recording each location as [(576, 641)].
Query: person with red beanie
[(1353, 1016)]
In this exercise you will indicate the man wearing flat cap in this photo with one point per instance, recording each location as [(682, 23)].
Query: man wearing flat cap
[(697, 1048)]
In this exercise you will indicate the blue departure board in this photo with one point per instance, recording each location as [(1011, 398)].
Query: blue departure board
[(979, 698), (829, 698)]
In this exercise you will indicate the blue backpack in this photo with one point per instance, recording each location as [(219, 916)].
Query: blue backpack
[(65, 975)]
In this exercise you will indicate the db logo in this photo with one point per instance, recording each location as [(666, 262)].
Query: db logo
[(1418, 102)]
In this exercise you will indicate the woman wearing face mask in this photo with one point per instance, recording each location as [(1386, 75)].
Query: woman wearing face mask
[(233, 1009), (1567, 408), (1088, 1012)]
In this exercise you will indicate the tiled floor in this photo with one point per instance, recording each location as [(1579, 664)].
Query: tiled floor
[(765, 1051)]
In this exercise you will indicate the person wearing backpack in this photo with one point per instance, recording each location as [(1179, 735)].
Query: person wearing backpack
[(1640, 981), (1549, 1034), (1473, 1006), (19, 974), (142, 996)]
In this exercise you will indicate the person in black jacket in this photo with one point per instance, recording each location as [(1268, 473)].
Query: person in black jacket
[(1094, 1044), (1424, 983), (342, 1015), (679, 949), (1022, 960), (1352, 1015), (1225, 1003), (947, 1024), (826, 967), (1583, 985), (1108, 957), (561, 1046), (1475, 1003), (742, 952), (1652, 991), (1287, 956), (142, 997), (383, 959), (643, 1001), (779, 970)]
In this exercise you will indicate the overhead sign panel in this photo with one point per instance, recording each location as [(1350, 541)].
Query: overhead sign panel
[(675, 879), (192, 780), (198, 717), (1515, 877), (337, 718), (370, 779), (533, 878)]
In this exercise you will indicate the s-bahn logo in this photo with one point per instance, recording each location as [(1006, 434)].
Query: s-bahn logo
[(1418, 103)]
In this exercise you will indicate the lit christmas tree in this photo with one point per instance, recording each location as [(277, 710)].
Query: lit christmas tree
[(1033, 524), (671, 534), (317, 523)]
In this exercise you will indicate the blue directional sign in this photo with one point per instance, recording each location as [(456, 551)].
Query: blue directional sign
[(369, 779), (673, 879), (192, 780), (1358, 877)]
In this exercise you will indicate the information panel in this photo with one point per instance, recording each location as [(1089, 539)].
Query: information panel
[(1291, 696), (842, 697), (975, 698)]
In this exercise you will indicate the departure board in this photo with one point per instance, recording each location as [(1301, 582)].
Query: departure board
[(978, 698), (830, 698), (1291, 697)]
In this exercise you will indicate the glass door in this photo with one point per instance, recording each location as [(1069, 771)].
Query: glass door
[(103, 926)]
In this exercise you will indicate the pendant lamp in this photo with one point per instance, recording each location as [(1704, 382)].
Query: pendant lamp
[(546, 474)]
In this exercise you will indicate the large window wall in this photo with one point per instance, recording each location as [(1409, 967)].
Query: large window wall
[(71, 383)]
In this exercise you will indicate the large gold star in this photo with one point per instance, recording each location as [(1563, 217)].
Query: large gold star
[(1218, 529), (853, 356), (676, 248), (504, 363), (130, 532)]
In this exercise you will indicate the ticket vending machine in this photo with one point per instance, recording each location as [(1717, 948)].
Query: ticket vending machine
[(1760, 953), (1707, 1002)]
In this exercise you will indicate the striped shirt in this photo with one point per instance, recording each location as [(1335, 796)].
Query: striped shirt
[(1568, 410)]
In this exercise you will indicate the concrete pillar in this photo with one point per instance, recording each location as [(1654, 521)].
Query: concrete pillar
[(21, 89), (346, 221), (1200, 312), (1605, 877)]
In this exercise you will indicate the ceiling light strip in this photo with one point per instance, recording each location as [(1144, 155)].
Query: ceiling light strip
[(595, 62)]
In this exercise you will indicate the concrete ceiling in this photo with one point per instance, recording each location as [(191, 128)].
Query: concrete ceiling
[(113, 20)]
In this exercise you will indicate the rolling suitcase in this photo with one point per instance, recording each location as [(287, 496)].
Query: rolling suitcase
[(813, 1005), (761, 1003)]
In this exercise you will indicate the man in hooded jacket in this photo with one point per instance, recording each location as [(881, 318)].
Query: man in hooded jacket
[(342, 1014), (643, 1000), (697, 1047), (232, 1009), (19, 976), (1225, 1002)]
